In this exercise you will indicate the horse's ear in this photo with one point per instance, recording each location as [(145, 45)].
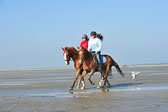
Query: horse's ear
[(78, 47), (66, 48), (63, 49)]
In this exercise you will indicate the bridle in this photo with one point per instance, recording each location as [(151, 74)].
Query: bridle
[(70, 59)]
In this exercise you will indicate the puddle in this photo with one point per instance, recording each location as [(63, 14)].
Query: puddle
[(151, 88), (82, 94), (88, 92), (54, 94), (139, 88), (61, 94)]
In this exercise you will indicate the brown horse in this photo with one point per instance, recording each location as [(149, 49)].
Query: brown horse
[(89, 65), (71, 52)]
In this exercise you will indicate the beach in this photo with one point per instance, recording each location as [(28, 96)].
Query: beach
[(47, 90)]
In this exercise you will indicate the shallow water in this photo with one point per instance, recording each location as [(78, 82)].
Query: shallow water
[(12, 83), (32, 79), (29, 79), (128, 87), (48, 92)]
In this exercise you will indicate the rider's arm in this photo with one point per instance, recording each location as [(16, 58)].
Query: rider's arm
[(81, 44), (89, 46), (99, 45)]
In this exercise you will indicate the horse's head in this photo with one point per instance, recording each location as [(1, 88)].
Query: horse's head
[(66, 55)]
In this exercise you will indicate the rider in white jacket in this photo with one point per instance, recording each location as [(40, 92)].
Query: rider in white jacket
[(95, 46)]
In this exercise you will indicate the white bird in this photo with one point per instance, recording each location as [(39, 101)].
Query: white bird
[(134, 75)]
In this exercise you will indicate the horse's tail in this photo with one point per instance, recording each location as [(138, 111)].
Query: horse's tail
[(109, 60), (118, 69)]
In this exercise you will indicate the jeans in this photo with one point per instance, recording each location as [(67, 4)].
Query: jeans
[(98, 58)]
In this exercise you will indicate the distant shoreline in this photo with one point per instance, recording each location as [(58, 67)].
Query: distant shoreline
[(36, 71), (147, 66), (61, 70)]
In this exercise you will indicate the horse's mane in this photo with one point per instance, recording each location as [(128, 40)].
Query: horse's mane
[(87, 54), (72, 50)]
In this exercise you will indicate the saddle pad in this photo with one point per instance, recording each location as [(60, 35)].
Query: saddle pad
[(103, 59)]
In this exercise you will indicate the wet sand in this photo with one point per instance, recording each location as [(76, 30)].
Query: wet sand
[(48, 91)]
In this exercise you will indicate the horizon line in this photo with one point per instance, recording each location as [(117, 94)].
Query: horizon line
[(162, 65)]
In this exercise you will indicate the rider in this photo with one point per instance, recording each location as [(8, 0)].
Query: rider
[(85, 41), (95, 46)]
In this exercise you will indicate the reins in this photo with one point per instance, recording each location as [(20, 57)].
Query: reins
[(69, 60)]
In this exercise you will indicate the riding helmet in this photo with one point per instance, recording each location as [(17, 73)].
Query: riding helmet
[(93, 33)]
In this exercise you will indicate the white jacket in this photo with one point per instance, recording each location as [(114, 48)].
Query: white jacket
[(94, 44)]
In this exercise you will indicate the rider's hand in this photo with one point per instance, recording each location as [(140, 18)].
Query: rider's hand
[(96, 52)]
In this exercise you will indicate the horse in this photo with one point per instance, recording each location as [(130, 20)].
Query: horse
[(71, 52), (90, 65)]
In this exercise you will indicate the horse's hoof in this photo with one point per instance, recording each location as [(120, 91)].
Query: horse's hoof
[(109, 86), (77, 87), (98, 87), (93, 83), (82, 88), (102, 87), (71, 91), (70, 88)]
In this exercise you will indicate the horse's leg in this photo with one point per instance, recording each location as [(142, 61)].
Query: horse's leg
[(109, 73), (102, 77), (89, 77), (105, 77), (109, 85), (76, 77), (105, 81), (100, 83), (82, 78), (79, 82), (83, 83)]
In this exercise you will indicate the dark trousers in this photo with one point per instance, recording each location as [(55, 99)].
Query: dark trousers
[(98, 58)]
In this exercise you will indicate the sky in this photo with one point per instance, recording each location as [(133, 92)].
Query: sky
[(32, 32)]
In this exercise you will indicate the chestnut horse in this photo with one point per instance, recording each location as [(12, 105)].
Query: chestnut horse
[(71, 52), (89, 65)]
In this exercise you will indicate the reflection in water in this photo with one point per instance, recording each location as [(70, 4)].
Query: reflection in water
[(104, 89), (128, 87)]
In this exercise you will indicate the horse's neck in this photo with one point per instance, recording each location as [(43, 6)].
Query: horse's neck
[(74, 55), (75, 58), (89, 56)]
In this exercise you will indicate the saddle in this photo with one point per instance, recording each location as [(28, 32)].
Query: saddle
[(95, 57)]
